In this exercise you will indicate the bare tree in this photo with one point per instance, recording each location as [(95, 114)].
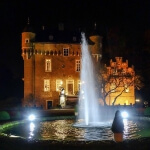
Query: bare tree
[(118, 81)]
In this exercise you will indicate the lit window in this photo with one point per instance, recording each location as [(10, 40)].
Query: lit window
[(66, 51), (46, 85), (126, 88), (59, 85), (27, 40), (77, 65), (48, 65)]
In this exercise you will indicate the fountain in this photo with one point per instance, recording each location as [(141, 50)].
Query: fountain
[(88, 99), (89, 114)]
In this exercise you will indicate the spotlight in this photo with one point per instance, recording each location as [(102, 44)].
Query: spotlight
[(124, 114), (31, 117)]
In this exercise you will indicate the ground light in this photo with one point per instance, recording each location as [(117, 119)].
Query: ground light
[(124, 114), (31, 117)]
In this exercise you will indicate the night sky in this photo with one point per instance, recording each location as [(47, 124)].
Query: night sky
[(124, 25)]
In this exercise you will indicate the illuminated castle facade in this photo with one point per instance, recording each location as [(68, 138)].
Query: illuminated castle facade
[(52, 65), (120, 80), (52, 68)]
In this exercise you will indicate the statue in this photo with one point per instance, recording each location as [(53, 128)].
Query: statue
[(62, 98), (118, 127)]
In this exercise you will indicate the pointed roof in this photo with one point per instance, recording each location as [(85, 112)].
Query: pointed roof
[(95, 31), (28, 27)]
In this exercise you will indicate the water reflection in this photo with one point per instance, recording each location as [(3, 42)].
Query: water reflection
[(64, 130), (130, 129), (31, 130), (98, 133), (60, 130)]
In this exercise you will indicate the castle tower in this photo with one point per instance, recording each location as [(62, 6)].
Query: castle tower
[(28, 37), (97, 47)]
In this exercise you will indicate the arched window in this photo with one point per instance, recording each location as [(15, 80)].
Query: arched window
[(48, 65)]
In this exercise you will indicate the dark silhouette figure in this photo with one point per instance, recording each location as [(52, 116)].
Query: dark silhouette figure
[(117, 125)]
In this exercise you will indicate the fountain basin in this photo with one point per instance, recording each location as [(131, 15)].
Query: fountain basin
[(7, 140), (67, 129)]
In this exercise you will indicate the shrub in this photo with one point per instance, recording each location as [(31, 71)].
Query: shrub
[(4, 115), (147, 111), (15, 114)]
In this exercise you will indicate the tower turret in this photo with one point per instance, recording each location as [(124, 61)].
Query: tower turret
[(97, 47), (28, 37)]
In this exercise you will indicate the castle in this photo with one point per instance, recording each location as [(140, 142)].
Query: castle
[(52, 65)]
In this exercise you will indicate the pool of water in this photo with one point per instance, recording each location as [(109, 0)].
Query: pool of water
[(65, 130)]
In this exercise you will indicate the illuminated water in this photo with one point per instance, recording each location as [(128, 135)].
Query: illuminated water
[(64, 130), (88, 108)]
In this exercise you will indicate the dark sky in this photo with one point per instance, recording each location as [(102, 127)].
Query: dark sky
[(122, 20)]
